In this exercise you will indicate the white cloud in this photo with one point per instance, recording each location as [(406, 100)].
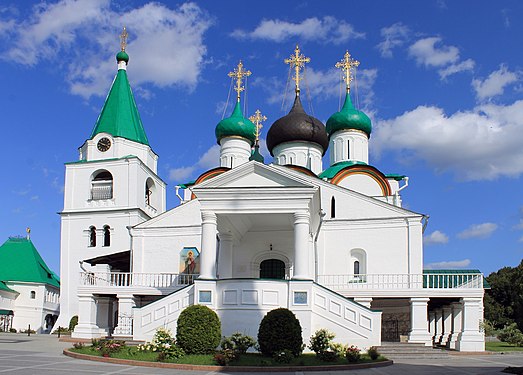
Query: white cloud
[(210, 159), (393, 36), (483, 230), (435, 237), (169, 41), (479, 144), (455, 264), (457, 68), (495, 83), (328, 29), (427, 53)]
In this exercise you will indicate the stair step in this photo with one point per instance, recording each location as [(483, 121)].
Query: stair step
[(397, 350)]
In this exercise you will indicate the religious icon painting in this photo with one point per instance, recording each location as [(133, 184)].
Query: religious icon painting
[(189, 261)]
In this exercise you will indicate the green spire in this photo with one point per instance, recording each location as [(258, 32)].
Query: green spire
[(20, 261), (349, 118), (119, 116)]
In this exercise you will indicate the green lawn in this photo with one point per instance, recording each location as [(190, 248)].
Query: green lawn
[(502, 347), (249, 359)]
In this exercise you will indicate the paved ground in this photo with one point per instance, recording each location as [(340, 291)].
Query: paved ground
[(42, 355)]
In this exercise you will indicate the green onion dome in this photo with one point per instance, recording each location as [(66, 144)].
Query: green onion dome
[(349, 118), (236, 126), (122, 56)]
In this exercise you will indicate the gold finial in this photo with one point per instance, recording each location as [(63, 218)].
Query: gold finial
[(257, 119), (346, 65), (239, 73), (123, 39), (297, 61), (28, 231)]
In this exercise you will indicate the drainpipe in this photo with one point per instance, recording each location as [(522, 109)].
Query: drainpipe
[(322, 215), (397, 193), (176, 190)]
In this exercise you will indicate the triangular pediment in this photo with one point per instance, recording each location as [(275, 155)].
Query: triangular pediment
[(254, 174), (187, 214)]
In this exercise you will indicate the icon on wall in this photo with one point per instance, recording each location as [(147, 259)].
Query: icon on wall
[(190, 261)]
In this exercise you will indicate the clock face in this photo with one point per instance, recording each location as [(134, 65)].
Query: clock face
[(104, 144)]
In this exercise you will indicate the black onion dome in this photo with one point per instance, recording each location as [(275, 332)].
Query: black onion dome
[(297, 126)]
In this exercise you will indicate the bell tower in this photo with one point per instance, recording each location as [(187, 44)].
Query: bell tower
[(114, 185)]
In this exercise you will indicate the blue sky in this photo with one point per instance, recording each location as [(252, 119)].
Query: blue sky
[(441, 80)]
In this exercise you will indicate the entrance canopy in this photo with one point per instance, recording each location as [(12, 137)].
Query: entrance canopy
[(6, 312)]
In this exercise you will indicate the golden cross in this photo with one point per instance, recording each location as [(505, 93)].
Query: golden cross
[(297, 61), (123, 39), (347, 64), (257, 119), (238, 73)]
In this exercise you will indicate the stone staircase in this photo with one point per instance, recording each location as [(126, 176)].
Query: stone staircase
[(401, 350)]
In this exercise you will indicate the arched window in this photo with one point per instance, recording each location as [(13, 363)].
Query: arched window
[(333, 207), (358, 263), (92, 237), (107, 235), (348, 149), (102, 186), (33, 294)]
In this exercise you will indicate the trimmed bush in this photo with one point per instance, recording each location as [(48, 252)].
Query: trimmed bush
[(280, 330), (198, 330), (73, 323)]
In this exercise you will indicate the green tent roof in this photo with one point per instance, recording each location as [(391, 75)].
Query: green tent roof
[(20, 261), (335, 168), (119, 116), (6, 288)]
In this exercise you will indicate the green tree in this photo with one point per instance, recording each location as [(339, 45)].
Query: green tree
[(504, 301)]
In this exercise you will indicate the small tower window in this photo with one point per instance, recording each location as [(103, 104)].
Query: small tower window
[(356, 267), (107, 236), (33, 294), (348, 149), (150, 189), (333, 207), (102, 186), (92, 237)]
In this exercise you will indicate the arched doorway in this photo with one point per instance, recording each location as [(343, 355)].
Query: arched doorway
[(272, 269)]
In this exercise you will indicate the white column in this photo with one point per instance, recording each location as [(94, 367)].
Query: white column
[(456, 324), (86, 328), (301, 245), (208, 253), (225, 257), (471, 339), (447, 325), (439, 326), (432, 324), (125, 315), (419, 331), (365, 301)]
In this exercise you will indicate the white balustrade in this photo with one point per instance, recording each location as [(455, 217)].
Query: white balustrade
[(403, 281), (126, 279)]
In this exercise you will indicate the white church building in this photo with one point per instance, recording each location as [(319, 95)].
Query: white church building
[(331, 243)]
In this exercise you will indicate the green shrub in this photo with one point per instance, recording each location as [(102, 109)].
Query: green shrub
[(73, 323), (12, 330), (352, 354), (373, 353), (321, 340), (238, 342), (283, 356), (280, 330), (224, 357), (511, 334), (164, 344), (199, 330), (107, 347)]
